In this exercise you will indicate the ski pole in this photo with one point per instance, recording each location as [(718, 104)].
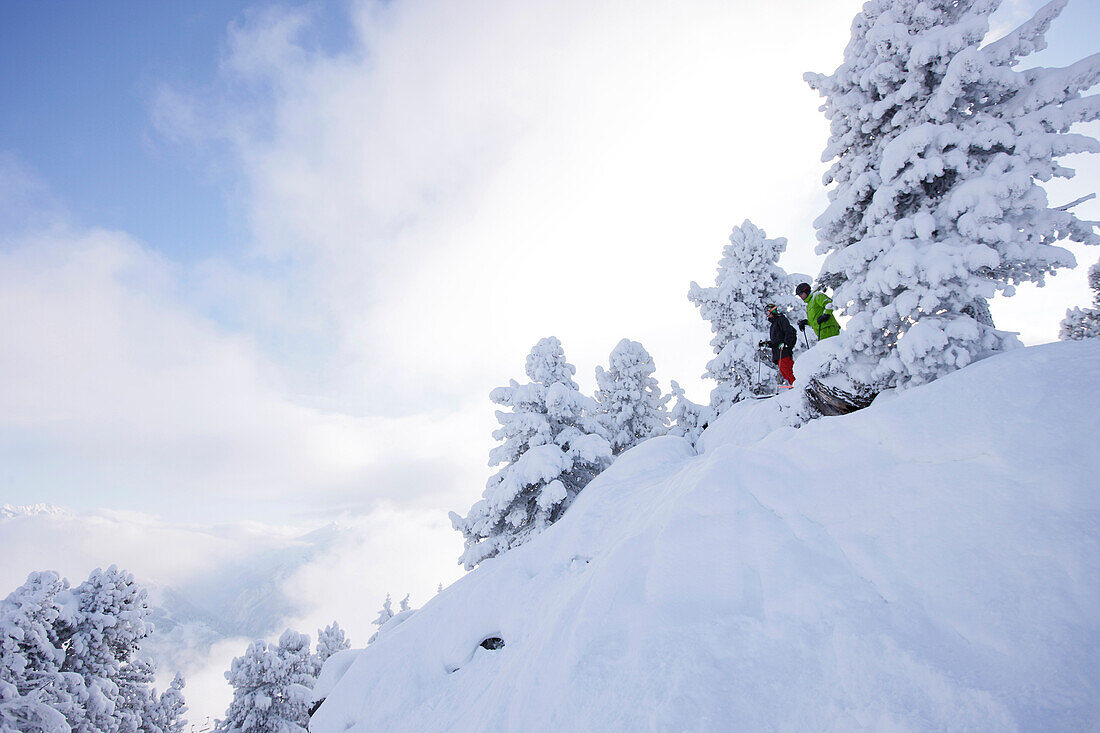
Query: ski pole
[(805, 338), (758, 369)]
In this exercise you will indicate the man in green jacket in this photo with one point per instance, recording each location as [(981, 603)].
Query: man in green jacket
[(819, 312)]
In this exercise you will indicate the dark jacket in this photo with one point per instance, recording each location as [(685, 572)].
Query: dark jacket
[(782, 337)]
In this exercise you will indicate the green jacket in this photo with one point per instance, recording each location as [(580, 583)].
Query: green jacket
[(817, 304)]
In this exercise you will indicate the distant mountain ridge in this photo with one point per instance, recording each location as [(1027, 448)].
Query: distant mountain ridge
[(10, 511)]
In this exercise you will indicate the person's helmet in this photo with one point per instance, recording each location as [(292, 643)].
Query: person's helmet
[(802, 289), (770, 309)]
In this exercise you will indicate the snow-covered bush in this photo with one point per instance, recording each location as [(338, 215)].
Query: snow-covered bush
[(1084, 323), (631, 408), (552, 447), (271, 688), (330, 640), (937, 146), (69, 659), (688, 418), (748, 279)]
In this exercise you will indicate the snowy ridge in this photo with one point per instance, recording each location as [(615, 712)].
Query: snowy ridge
[(11, 511), (926, 563)]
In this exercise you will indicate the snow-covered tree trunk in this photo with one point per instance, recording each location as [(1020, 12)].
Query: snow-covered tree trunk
[(631, 408), (938, 145), (748, 279), (552, 446), (1084, 323)]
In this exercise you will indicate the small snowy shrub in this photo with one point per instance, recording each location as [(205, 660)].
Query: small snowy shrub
[(384, 615), (748, 279), (938, 144), (552, 446), (1084, 323), (688, 418), (631, 408)]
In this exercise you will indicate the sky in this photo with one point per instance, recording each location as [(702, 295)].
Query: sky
[(261, 264)]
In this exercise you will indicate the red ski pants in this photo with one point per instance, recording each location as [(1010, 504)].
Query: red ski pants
[(786, 368)]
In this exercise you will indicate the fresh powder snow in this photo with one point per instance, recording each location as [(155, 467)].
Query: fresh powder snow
[(927, 563)]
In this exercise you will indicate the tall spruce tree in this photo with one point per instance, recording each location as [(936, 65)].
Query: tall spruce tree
[(631, 408), (552, 446), (748, 279), (937, 144)]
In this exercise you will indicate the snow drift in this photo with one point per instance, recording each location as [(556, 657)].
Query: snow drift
[(929, 562)]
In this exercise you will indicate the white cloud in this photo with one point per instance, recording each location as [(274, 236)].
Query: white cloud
[(115, 391), (468, 179), (460, 182)]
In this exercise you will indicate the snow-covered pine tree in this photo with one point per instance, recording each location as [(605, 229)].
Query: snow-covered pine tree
[(34, 695), (69, 659), (1084, 323), (688, 418), (136, 698), (384, 615), (404, 604), (552, 447), (153, 713), (631, 408), (748, 279), (167, 715), (100, 643), (271, 688), (937, 143), (330, 640)]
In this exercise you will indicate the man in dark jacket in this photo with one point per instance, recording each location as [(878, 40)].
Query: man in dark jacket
[(782, 338)]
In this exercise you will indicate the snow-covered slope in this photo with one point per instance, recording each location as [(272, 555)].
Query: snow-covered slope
[(931, 562)]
